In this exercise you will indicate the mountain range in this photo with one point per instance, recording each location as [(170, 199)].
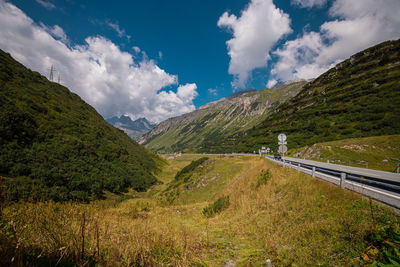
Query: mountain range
[(205, 129), (134, 128), (359, 97)]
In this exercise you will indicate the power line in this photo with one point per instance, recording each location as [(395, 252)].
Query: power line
[(52, 70)]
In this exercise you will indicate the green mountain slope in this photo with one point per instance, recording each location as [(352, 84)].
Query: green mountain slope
[(376, 152), (360, 97), (55, 146), (206, 129)]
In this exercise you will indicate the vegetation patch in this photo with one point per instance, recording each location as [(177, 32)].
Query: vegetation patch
[(185, 173), (218, 206), (384, 247), (263, 178)]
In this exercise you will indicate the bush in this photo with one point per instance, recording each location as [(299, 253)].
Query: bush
[(189, 168), (263, 178), (219, 205)]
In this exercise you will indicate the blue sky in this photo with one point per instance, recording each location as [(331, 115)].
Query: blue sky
[(179, 56)]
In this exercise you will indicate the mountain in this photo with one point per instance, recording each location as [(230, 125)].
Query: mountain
[(55, 146), (132, 128), (207, 129), (359, 97)]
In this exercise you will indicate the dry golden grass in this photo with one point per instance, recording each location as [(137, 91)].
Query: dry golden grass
[(291, 219)]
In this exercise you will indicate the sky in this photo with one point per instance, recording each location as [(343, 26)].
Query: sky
[(159, 59)]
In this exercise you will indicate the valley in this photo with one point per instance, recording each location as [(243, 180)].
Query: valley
[(272, 213)]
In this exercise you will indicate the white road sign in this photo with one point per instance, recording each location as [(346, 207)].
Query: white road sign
[(282, 137), (282, 149)]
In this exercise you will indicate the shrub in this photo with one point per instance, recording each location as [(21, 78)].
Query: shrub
[(263, 178), (189, 168), (219, 205)]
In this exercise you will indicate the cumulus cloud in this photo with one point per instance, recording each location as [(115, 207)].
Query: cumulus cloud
[(103, 75), (309, 3), (356, 25), (255, 33), (46, 4)]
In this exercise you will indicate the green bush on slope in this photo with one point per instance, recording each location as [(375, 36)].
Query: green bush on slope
[(186, 171), (218, 206)]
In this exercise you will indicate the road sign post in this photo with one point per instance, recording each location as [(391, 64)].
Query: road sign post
[(282, 143)]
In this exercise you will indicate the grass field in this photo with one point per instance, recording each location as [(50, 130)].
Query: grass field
[(378, 152), (274, 213)]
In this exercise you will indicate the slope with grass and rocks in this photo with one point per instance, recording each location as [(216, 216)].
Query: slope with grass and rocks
[(378, 152), (53, 145), (206, 129)]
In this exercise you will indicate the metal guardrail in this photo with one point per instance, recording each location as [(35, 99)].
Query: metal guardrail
[(379, 185)]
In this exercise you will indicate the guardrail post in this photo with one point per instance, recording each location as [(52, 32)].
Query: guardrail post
[(313, 171), (343, 180), (298, 166)]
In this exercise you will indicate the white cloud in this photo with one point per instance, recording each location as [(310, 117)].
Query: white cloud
[(56, 31), (103, 75), (271, 83), (357, 25), (136, 49), (46, 4), (255, 33), (115, 26), (309, 3)]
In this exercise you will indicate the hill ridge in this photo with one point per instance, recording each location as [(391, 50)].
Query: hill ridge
[(56, 146)]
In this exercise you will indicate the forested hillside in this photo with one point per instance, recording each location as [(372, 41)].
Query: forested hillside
[(359, 97), (55, 146)]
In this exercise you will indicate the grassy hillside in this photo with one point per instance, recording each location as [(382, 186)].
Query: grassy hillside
[(207, 129), (268, 212), (55, 146), (379, 152), (358, 98)]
